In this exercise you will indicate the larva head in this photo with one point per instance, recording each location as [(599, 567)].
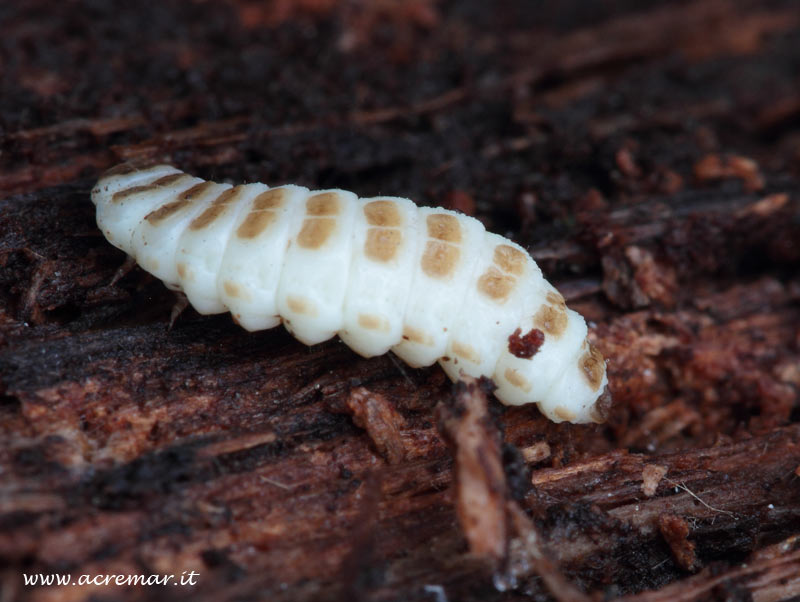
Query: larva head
[(580, 394), (549, 361)]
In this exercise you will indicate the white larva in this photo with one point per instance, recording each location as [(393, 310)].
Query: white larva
[(429, 284)]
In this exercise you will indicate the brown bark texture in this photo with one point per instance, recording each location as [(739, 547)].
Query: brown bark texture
[(646, 152)]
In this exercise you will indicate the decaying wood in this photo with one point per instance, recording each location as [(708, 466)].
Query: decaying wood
[(497, 529), (646, 153), (383, 423), (481, 489), (770, 574)]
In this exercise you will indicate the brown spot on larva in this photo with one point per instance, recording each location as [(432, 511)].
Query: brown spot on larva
[(509, 259), (170, 179), (165, 181), (556, 299), (552, 320), (163, 212), (275, 198), (515, 379), (300, 305), (232, 289), (417, 336), (129, 192), (382, 245), (195, 191), (439, 259), (443, 226), (564, 413), (593, 366), (326, 203), (466, 352), (373, 322), (315, 232), (255, 223), (216, 209), (496, 285), (525, 347), (181, 269), (260, 216), (383, 213)]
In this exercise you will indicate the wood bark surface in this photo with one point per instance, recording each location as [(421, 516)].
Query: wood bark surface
[(647, 153)]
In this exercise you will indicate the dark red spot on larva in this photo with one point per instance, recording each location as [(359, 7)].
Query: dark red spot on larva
[(527, 345)]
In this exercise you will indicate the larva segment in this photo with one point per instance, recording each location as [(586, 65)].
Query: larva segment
[(447, 249), (126, 176), (524, 380), (551, 317), (504, 278), (122, 207), (572, 398), (251, 266), (384, 252), (202, 245), (155, 239), (316, 267)]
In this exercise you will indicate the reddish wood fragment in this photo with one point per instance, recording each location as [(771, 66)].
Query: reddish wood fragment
[(675, 531), (656, 280), (668, 181), (716, 167), (765, 207), (627, 164), (480, 482), (538, 452), (592, 200), (496, 527), (651, 477), (383, 423)]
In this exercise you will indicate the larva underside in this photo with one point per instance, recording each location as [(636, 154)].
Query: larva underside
[(429, 284)]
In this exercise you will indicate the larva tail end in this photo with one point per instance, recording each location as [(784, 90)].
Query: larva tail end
[(124, 174), (123, 169)]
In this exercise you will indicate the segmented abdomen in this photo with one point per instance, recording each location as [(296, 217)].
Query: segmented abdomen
[(429, 284)]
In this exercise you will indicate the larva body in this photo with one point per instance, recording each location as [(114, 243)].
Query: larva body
[(429, 284)]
